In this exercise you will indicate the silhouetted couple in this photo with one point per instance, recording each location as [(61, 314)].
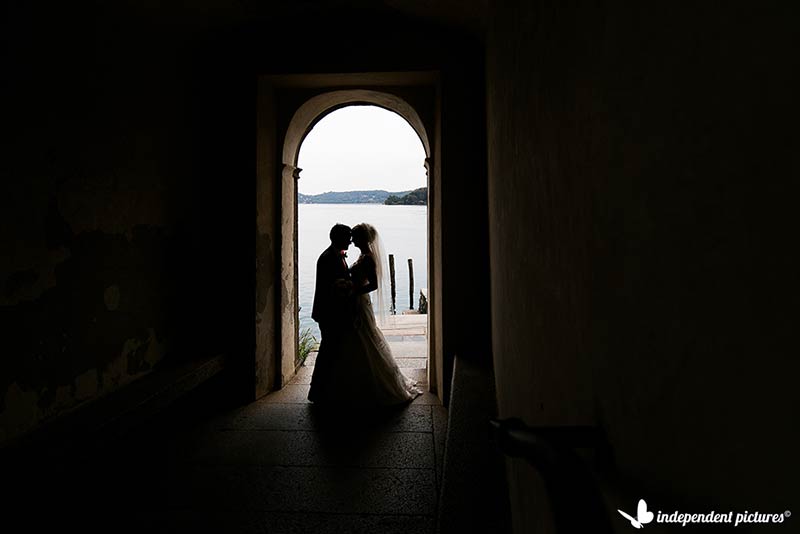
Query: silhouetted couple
[(354, 363)]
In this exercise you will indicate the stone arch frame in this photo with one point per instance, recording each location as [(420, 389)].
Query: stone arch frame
[(316, 108), (278, 150)]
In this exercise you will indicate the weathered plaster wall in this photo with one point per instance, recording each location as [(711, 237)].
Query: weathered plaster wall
[(118, 202), (640, 161), (267, 250)]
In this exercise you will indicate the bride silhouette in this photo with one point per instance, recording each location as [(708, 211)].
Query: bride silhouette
[(363, 368)]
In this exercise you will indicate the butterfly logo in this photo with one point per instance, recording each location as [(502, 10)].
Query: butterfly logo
[(642, 515)]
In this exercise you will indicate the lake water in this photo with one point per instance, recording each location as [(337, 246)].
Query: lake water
[(402, 228)]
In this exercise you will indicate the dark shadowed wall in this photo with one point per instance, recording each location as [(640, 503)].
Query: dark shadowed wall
[(122, 187), (640, 161), (129, 184)]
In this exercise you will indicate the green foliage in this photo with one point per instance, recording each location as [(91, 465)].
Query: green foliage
[(307, 343), (417, 197)]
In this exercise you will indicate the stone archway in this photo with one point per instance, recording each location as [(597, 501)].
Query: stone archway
[(317, 107), (303, 120)]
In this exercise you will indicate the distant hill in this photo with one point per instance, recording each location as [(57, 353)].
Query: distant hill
[(417, 197), (348, 197)]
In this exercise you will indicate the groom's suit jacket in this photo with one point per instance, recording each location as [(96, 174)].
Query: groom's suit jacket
[(329, 306)]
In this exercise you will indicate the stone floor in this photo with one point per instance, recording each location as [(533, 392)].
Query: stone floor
[(278, 465)]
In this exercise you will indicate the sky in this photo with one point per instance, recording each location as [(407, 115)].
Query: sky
[(361, 148)]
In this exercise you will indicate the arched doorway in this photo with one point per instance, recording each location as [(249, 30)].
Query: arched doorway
[(364, 163), (311, 113), (286, 115)]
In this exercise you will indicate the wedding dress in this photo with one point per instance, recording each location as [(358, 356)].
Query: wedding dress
[(381, 379)]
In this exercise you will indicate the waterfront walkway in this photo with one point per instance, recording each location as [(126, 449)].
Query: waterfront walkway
[(408, 337)]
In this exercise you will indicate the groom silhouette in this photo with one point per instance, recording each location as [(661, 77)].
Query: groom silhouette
[(331, 308)]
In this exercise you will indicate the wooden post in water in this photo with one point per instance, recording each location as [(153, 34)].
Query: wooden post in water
[(391, 279), (410, 284)]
